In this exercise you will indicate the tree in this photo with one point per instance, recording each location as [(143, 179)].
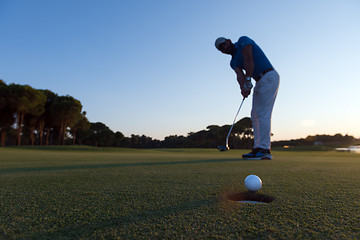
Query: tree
[(23, 100), (81, 124), (143, 141), (99, 135), (242, 136), (7, 117), (68, 111), (119, 140), (47, 119), (33, 114), (174, 141)]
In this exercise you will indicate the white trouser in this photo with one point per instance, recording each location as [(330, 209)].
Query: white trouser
[(264, 96)]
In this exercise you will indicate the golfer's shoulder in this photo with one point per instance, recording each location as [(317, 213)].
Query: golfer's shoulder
[(245, 40)]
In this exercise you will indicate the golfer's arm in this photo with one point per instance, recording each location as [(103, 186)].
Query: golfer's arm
[(248, 60), (240, 77)]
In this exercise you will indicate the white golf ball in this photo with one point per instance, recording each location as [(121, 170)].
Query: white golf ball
[(253, 183)]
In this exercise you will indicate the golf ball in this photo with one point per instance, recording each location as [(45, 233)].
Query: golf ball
[(253, 183)]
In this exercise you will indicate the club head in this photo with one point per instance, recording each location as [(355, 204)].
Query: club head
[(223, 148)]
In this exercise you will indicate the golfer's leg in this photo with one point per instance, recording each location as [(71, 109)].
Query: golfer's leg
[(255, 118), (265, 99)]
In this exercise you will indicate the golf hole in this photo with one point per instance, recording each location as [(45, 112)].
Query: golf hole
[(250, 197)]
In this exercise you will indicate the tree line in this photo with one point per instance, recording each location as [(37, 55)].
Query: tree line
[(34, 116), (31, 116), (336, 140)]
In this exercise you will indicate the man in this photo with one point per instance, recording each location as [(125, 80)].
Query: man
[(249, 61)]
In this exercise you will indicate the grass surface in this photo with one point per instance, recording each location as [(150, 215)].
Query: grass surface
[(88, 193)]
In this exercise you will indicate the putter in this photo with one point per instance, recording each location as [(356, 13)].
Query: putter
[(226, 147)]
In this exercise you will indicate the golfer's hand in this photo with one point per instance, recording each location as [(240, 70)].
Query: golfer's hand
[(245, 93), (246, 88)]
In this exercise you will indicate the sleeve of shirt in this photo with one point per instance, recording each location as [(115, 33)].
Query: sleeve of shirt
[(244, 40), (232, 65)]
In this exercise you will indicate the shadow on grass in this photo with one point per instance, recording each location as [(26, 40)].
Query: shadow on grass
[(114, 165), (250, 196), (86, 229)]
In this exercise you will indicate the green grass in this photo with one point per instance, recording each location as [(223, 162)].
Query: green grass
[(94, 193)]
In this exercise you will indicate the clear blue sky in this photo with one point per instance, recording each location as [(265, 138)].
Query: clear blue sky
[(150, 67)]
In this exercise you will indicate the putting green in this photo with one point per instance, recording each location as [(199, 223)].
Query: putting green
[(83, 193)]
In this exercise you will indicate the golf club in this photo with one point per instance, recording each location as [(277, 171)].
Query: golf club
[(226, 147)]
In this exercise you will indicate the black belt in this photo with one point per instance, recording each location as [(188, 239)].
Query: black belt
[(263, 73)]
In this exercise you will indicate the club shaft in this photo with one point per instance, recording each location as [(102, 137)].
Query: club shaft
[(227, 138)]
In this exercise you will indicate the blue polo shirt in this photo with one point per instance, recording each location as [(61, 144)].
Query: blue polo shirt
[(261, 62)]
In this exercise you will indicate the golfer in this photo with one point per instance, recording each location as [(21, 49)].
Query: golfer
[(249, 61)]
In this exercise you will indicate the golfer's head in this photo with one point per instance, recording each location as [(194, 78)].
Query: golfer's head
[(224, 45)]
